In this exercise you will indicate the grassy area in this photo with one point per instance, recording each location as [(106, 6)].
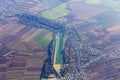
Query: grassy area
[(58, 49), (44, 79), (43, 38), (57, 53), (61, 9), (58, 11), (50, 14)]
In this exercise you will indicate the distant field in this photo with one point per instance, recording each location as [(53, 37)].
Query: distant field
[(43, 38), (93, 1), (58, 11), (108, 19), (85, 11), (105, 3), (51, 3)]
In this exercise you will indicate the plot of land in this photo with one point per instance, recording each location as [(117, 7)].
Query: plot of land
[(108, 19), (51, 3), (43, 38), (85, 11), (93, 1), (56, 12), (105, 3)]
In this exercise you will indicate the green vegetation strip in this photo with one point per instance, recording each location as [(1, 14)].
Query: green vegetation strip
[(59, 49), (93, 1), (44, 79)]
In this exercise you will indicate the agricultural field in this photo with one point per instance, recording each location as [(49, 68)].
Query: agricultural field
[(51, 4), (59, 39), (108, 19), (43, 38), (82, 10), (57, 11), (105, 3)]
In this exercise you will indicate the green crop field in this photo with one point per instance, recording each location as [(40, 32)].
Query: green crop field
[(61, 9), (41, 38), (56, 12)]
